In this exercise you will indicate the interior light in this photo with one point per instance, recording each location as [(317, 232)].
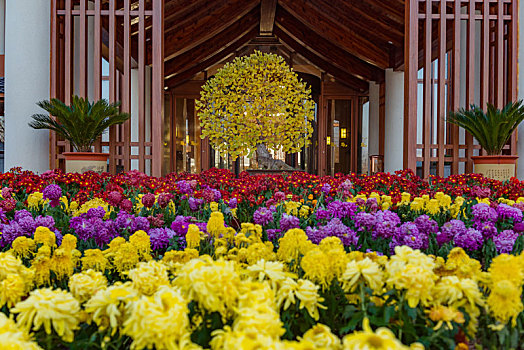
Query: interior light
[(343, 133), (328, 140)]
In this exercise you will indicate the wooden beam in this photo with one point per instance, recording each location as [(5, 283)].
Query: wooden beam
[(339, 74), (157, 100), (213, 44), (180, 39), (350, 17), (217, 57), (348, 40), (174, 10), (267, 16), (410, 84), (329, 52)]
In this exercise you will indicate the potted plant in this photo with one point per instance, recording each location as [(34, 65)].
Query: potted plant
[(255, 104), (81, 124), (492, 129)]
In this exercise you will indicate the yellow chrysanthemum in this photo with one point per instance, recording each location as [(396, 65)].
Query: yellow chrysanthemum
[(417, 283), (41, 266), (12, 289), (44, 235), (366, 271), (148, 277), (259, 317), (85, 284), (35, 199), (213, 206), (271, 271), (461, 265), (107, 307), (140, 239), (445, 315), (215, 225), (62, 263), (126, 258), (307, 293), (193, 236), (13, 338), (23, 247), (214, 285), (56, 310), (160, 321), (322, 338), (90, 204), (294, 243), (382, 339), (317, 267), (94, 259), (68, 242), (504, 301), (258, 251), (506, 267)]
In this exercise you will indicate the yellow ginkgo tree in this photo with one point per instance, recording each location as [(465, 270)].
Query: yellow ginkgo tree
[(253, 104)]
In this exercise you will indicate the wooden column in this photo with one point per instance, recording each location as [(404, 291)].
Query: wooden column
[(410, 83), (54, 81), (157, 108)]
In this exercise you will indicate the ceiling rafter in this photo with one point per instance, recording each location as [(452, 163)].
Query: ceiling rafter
[(214, 44), (329, 52), (204, 26), (340, 74), (172, 8), (349, 40), (217, 57), (267, 16), (349, 16)]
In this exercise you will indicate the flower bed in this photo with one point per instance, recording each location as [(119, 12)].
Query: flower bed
[(191, 261)]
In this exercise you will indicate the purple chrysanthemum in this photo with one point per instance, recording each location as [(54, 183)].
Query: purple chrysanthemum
[(505, 241), (287, 222), (471, 239), (483, 212), (262, 216)]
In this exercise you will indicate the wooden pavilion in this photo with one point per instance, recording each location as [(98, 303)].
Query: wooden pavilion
[(154, 56)]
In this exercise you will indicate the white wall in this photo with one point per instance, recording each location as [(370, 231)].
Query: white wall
[(520, 86), (394, 133), (374, 118), (2, 27), (27, 46)]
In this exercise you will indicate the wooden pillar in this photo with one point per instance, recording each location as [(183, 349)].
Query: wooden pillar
[(456, 84), (157, 108), (54, 81), (141, 85), (410, 84)]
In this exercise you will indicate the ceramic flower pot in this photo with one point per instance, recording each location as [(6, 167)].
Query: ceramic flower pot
[(496, 167), (80, 162)]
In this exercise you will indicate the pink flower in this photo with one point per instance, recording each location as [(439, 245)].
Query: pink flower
[(148, 200), (126, 205)]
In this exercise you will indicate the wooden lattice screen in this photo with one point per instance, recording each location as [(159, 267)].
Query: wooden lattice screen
[(128, 35), (457, 53)]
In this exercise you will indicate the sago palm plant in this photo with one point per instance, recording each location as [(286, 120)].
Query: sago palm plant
[(492, 129), (81, 123)]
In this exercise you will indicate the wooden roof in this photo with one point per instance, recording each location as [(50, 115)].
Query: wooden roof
[(352, 40)]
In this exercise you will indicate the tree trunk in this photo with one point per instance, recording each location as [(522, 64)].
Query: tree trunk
[(266, 161)]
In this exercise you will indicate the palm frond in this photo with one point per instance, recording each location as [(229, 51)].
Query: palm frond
[(81, 123), (493, 128)]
